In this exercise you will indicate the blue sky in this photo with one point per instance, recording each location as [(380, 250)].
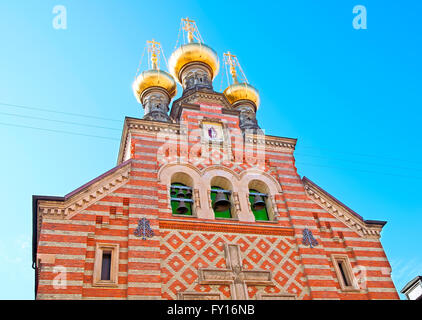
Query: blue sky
[(353, 99)]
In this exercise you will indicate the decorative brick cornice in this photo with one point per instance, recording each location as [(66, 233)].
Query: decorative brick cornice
[(148, 126), (151, 126), (213, 97), (142, 125), (271, 142), (80, 199), (370, 229)]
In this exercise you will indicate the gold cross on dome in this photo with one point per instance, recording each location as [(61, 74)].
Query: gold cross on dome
[(190, 27), (154, 48), (232, 62)]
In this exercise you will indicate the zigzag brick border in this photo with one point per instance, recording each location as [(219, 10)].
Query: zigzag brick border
[(224, 227)]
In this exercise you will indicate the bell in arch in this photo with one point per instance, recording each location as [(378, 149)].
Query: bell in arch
[(221, 203), (258, 203), (182, 208), (180, 194)]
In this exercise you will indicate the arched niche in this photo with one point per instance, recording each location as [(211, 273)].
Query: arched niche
[(186, 174), (225, 178), (182, 174), (264, 183)]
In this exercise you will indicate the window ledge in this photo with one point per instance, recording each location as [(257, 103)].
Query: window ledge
[(266, 221), (350, 289), (184, 215), (104, 284), (227, 219)]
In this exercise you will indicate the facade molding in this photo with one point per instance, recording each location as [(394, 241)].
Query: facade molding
[(82, 198), (341, 212), (225, 227)]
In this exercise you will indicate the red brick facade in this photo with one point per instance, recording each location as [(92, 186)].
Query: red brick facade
[(166, 266)]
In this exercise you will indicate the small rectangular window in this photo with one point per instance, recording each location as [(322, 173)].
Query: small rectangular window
[(106, 266), (344, 272)]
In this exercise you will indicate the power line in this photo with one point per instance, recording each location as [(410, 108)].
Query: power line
[(114, 120), (59, 121), (59, 112), (362, 154), (109, 138), (360, 170), (57, 131), (115, 139), (359, 162)]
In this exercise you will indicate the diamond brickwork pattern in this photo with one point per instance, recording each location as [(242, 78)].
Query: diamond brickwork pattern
[(184, 252)]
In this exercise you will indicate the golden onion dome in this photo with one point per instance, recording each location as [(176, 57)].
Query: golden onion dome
[(242, 91), (154, 78), (191, 52)]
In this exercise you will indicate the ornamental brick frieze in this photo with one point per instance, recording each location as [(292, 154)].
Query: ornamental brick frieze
[(270, 142), (84, 198), (226, 226), (266, 143), (213, 98), (341, 213)]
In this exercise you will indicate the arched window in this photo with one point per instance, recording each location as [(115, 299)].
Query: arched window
[(258, 203), (221, 203), (181, 199)]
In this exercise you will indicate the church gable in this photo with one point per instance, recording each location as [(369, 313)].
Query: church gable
[(88, 194), (364, 228)]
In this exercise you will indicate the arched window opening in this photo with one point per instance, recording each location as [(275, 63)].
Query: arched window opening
[(181, 199), (221, 203), (258, 205)]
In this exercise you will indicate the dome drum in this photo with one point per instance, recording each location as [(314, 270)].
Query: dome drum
[(196, 74), (155, 101), (244, 104)]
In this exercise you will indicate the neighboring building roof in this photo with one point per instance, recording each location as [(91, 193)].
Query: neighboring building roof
[(411, 283)]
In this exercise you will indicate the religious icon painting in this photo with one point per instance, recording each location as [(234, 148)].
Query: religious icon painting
[(213, 131)]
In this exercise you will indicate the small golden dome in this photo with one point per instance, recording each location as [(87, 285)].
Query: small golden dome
[(154, 78), (193, 52), (242, 91)]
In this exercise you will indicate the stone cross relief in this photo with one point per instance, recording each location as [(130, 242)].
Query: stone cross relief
[(234, 275)]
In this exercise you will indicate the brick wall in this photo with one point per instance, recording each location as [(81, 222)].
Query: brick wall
[(162, 266)]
